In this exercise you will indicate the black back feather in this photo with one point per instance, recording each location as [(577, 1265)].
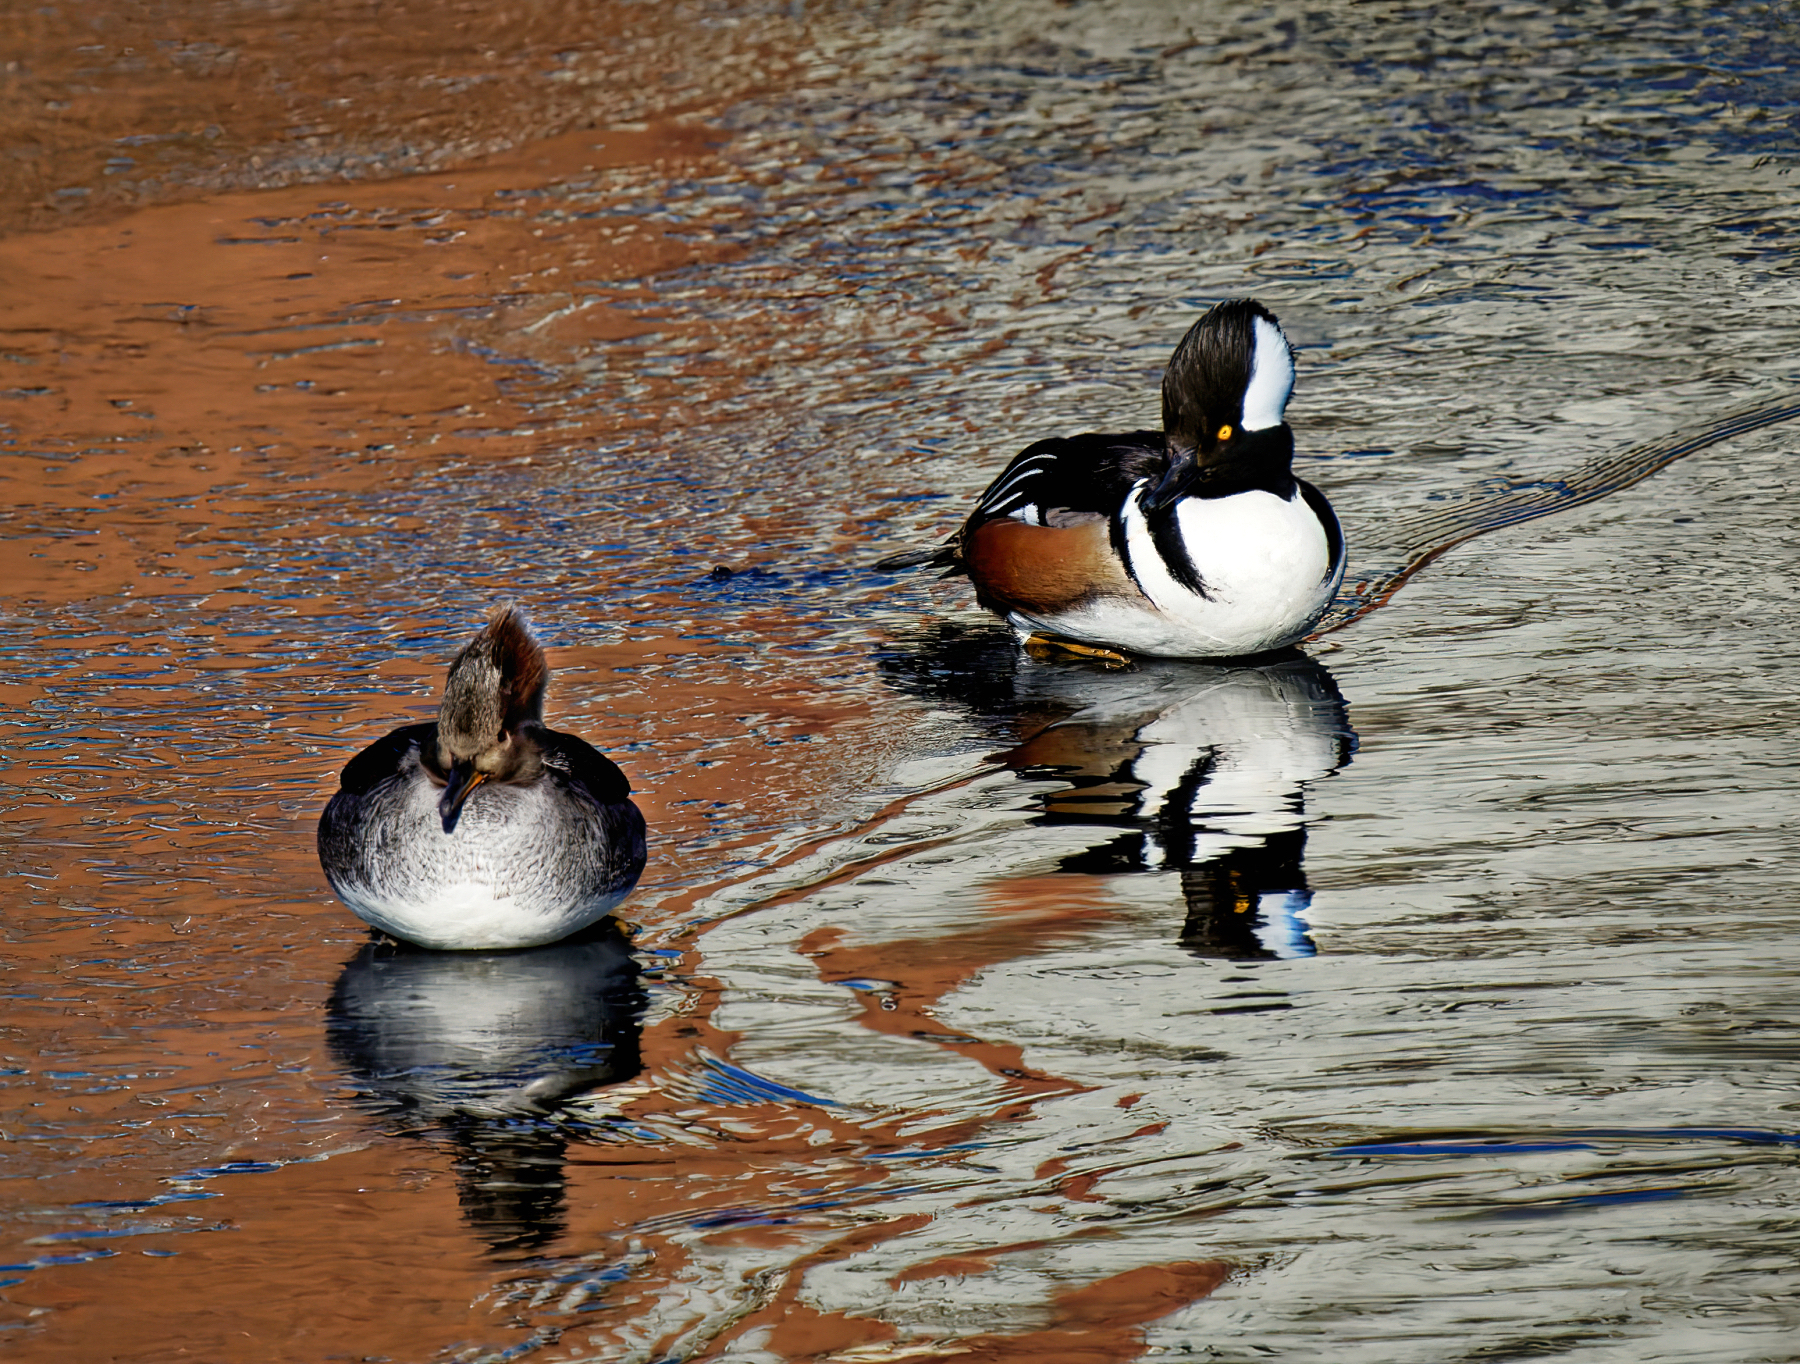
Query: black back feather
[(585, 764), (382, 759)]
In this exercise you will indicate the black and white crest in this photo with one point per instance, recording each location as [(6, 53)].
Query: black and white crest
[(1233, 369)]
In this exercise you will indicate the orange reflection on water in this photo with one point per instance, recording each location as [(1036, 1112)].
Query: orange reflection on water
[(278, 310), (343, 336)]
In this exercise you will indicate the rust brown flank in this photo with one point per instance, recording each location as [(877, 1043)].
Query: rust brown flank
[(1043, 569)]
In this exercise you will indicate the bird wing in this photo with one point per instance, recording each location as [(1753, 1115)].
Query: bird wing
[(383, 758), (1061, 482), (1072, 477), (584, 764)]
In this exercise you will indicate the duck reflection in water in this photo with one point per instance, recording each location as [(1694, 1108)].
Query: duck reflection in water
[(1192, 768), (484, 1048)]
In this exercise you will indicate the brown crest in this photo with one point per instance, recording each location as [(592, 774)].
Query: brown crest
[(524, 676), (496, 683)]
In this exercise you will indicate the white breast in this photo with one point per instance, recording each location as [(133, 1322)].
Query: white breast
[(525, 865), (1266, 565)]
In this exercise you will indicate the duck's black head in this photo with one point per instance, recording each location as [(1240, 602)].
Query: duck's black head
[(1225, 392), (493, 698)]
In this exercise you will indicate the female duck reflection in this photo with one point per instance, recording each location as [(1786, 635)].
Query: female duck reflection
[(484, 1048), (1187, 767)]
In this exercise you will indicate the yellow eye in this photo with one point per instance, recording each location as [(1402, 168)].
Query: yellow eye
[(1224, 433)]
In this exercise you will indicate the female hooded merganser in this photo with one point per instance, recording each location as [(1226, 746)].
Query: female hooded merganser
[(1195, 541), (485, 829)]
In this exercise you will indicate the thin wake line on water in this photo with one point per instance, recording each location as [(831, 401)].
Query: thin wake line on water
[(1431, 534)]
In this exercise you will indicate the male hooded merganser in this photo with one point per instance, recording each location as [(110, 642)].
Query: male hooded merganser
[(1195, 541), (485, 829)]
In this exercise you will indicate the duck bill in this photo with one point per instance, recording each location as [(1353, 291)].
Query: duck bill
[(1183, 466), (463, 779)]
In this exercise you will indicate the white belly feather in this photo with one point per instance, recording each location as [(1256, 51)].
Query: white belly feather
[(526, 865), (1266, 565)]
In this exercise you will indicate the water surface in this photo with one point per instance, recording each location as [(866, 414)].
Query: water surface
[(1428, 997)]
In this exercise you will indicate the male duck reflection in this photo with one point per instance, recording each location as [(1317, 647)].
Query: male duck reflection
[(1195, 541), (485, 829), (1197, 769)]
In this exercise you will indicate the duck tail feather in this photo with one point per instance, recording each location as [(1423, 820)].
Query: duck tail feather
[(943, 556)]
